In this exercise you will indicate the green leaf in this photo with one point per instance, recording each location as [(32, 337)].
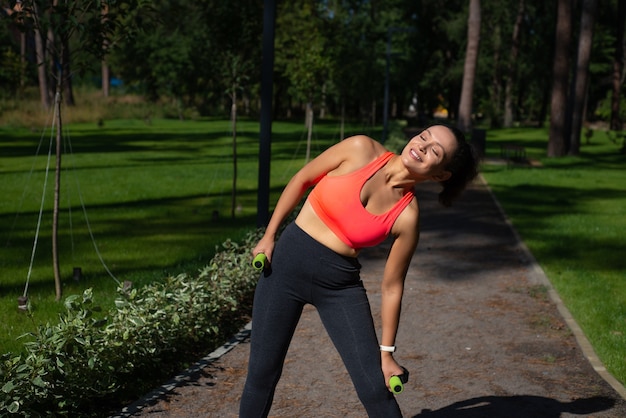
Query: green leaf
[(14, 407), (120, 303), (22, 368), (38, 381), (8, 387)]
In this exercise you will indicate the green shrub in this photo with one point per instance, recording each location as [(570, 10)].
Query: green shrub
[(604, 109), (89, 360)]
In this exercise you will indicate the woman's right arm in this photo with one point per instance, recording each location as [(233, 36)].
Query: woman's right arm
[(349, 151), (289, 198)]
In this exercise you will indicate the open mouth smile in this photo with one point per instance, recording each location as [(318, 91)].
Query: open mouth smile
[(415, 155)]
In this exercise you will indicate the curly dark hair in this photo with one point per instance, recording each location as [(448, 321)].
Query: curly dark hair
[(464, 168)]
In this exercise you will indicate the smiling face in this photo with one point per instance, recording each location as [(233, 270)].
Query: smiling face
[(427, 154)]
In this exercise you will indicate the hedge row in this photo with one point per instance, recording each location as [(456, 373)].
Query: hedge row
[(90, 362)]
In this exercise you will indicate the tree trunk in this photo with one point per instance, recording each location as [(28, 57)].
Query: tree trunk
[(22, 60), (582, 73), (373, 112), (510, 77), (57, 194), (106, 75), (322, 114), (545, 100), (106, 79), (342, 126), (68, 91), (618, 67), (495, 109), (16, 9), (51, 61), (469, 70), (42, 75), (233, 120), (557, 146), (309, 127)]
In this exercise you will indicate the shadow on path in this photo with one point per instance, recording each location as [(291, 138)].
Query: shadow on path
[(522, 406)]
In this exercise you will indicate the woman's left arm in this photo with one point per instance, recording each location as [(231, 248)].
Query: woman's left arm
[(392, 286)]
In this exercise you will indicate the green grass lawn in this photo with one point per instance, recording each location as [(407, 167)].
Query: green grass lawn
[(571, 213), (157, 198)]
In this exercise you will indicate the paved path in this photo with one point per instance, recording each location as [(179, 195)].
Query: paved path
[(482, 334)]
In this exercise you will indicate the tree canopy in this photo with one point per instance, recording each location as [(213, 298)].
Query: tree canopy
[(331, 55)]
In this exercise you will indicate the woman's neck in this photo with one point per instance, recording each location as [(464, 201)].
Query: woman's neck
[(397, 176)]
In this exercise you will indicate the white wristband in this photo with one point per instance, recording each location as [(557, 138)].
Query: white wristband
[(388, 348)]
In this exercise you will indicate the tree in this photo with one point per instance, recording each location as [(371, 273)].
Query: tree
[(618, 67), (557, 145), (105, 71), (53, 48), (238, 57), (437, 45), (497, 67), (300, 56), (44, 93), (62, 21), (359, 48), (13, 70), (530, 92), (469, 71), (165, 59), (176, 59), (22, 16), (235, 73), (581, 75), (512, 65)]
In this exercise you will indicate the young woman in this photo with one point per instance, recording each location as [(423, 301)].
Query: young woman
[(362, 194)]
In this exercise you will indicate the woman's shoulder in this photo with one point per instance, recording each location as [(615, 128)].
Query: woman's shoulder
[(351, 154), (365, 147)]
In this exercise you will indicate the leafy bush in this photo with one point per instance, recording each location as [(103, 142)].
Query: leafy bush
[(603, 111), (88, 361), (10, 72)]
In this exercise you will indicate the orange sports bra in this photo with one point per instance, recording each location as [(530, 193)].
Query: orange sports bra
[(337, 201)]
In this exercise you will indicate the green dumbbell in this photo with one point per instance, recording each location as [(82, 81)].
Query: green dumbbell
[(259, 261), (396, 383)]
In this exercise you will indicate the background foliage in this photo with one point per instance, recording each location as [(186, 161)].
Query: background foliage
[(329, 53)]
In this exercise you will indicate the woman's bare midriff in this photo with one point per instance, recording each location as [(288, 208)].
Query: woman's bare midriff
[(310, 223)]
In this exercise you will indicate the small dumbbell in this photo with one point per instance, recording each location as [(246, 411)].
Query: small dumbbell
[(396, 383), (259, 261)]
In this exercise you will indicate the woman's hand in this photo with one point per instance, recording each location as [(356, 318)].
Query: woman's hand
[(265, 246), (390, 367)]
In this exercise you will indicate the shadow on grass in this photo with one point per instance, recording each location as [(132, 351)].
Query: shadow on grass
[(534, 207), (141, 140), (132, 237)]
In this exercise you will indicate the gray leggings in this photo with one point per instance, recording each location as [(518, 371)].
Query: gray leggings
[(304, 271)]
